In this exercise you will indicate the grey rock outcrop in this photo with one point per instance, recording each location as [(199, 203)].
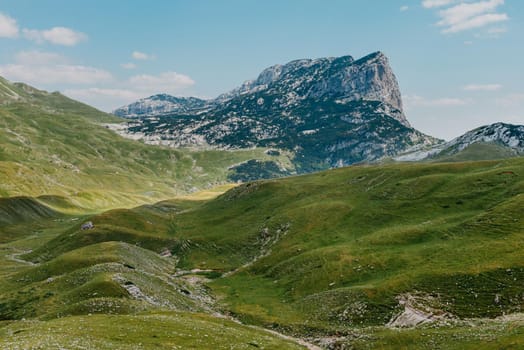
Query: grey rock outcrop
[(160, 104)]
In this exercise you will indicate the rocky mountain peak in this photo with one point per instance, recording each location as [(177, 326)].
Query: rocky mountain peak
[(327, 112), (160, 104), (508, 136), (501, 133), (339, 78)]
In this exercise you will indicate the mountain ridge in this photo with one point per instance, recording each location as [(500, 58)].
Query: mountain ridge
[(509, 137), (329, 112)]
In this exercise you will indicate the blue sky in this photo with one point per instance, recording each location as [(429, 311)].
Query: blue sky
[(458, 62)]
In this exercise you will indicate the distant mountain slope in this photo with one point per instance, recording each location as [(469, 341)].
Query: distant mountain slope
[(160, 104), (498, 140), (329, 112), (50, 144)]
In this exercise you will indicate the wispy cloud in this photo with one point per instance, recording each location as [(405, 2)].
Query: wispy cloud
[(36, 57), (404, 8), (90, 84), (166, 82), (141, 56), (90, 93), (129, 65), (461, 15), (419, 101), (436, 3), (476, 22), (45, 68), (142, 86), (54, 74), (8, 27), (56, 35), (482, 87)]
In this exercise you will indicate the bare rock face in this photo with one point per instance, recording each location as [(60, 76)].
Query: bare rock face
[(342, 78), (418, 310), (328, 112), (160, 104)]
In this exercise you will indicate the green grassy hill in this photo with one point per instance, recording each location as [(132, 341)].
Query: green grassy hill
[(337, 254), (52, 145), (337, 249), (478, 151), (110, 294)]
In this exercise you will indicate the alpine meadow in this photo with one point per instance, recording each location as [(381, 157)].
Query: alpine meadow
[(319, 205)]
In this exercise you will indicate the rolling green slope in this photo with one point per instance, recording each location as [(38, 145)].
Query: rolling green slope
[(341, 251), (91, 293), (334, 256), (52, 145), (361, 238), (144, 331), (478, 151)]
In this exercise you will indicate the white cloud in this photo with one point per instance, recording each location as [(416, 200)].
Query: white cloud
[(141, 56), (54, 74), (99, 92), (39, 58), (143, 85), (461, 15), (129, 65), (465, 11), (436, 3), (8, 27), (419, 101), (482, 87), (104, 99), (168, 82), (404, 8), (56, 35), (497, 30), (468, 42), (476, 22)]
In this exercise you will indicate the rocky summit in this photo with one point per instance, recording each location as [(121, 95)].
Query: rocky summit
[(160, 104), (328, 112), (504, 139)]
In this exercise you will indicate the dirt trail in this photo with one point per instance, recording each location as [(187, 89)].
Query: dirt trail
[(14, 257)]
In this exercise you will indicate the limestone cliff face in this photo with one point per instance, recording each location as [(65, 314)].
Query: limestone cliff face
[(341, 78)]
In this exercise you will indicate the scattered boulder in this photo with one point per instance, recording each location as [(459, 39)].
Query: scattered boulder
[(418, 310), (166, 253), (88, 225)]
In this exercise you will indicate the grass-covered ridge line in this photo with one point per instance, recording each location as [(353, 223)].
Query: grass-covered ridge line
[(52, 145)]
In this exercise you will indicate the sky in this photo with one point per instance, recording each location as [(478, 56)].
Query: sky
[(458, 62)]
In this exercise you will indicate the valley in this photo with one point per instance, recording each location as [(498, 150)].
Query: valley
[(300, 210), (328, 258)]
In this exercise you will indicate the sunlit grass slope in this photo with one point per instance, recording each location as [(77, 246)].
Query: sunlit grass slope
[(145, 331), (52, 145), (335, 250)]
